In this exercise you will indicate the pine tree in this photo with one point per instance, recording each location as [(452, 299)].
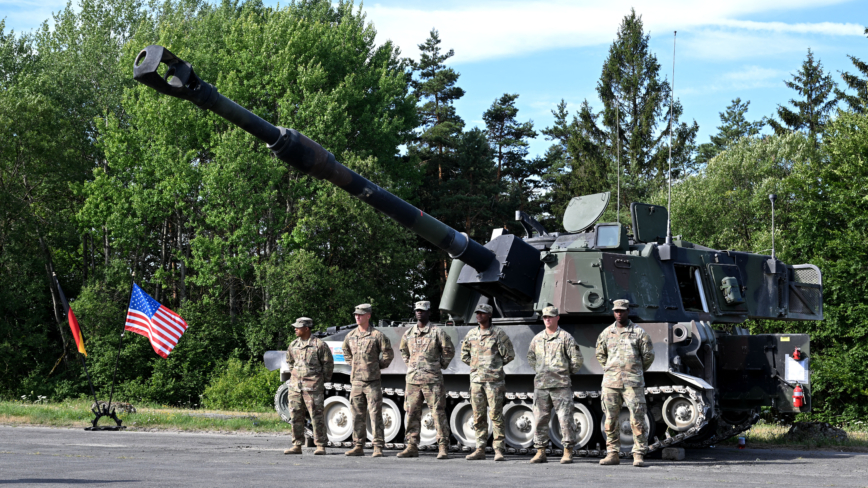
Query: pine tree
[(436, 89), (815, 104), (636, 110), (507, 136), (733, 127), (436, 149), (858, 102)]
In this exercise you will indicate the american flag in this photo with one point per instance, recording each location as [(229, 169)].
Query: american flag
[(149, 318)]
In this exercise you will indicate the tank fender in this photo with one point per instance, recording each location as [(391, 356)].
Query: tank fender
[(693, 380)]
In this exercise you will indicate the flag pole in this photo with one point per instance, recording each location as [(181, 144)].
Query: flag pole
[(66, 310), (120, 343)]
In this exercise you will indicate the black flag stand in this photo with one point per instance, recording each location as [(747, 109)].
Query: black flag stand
[(105, 410)]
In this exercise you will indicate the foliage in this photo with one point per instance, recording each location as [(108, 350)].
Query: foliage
[(815, 104), (633, 125), (858, 102), (241, 386), (734, 127)]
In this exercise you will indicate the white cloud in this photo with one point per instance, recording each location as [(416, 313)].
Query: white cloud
[(488, 30)]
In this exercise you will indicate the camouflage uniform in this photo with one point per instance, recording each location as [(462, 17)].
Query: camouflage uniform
[(426, 350), (625, 353), (312, 365), (554, 358), (487, 351), (362, 352)]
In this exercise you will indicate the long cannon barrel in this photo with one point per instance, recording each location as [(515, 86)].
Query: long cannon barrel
[(302, 153)]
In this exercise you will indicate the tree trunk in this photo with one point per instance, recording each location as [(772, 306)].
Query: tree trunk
[(106, 245), (181, 266), (162, 258), (55, 297), (84, 258)]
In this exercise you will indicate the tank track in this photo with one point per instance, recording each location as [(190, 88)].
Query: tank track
[(669, 441), (724, 431)]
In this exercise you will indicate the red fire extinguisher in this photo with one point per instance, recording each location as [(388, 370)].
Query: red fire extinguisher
[(798, 397)]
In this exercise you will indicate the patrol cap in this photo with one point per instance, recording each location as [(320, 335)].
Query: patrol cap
[(362, 309), (483, 308), (621, 305), (423, 305), (303, 322), (550, 311)]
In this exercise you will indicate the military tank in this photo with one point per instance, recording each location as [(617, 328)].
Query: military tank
[(710, 377)]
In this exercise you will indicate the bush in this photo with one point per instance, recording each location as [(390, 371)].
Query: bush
[(241, 386)]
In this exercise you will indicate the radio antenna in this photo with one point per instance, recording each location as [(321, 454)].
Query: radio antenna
[(618, 136), (666, 250)]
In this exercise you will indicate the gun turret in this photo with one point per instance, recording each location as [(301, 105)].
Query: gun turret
[(303, 154)]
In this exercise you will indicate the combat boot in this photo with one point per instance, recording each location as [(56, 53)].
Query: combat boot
[(411, 451), (320, 451), (638, 460), (358, 450), (378, 452), (568, 457), (498, 455), (540, 457), (479, 453), (444, 452), (294, 450), (611, 459)]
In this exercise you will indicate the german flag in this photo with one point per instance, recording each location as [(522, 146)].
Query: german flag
[(73, 322)]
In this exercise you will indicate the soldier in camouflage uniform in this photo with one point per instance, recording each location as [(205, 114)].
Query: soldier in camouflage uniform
[(487, 349), (362, 349), (426, 350), (554, 355), (312, 365), (625, 351)]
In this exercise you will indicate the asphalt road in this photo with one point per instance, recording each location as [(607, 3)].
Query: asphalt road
[(47, 457)]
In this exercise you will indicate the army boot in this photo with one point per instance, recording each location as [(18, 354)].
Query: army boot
[(498, 455), (294, 450), (479, 453), (540, 457), (358, 450), (378, 452), (320, 451), (568, 457), (638, 460), (611, 459), (444, 452), (411, 451)]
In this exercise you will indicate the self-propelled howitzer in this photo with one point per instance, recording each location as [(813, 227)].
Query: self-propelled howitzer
[(709, 378)]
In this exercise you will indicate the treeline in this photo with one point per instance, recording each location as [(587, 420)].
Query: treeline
[(104, 182)]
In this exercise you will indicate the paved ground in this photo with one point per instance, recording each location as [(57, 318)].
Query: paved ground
[(62, 457)]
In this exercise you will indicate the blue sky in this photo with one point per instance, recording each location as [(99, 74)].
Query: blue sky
[(551, 50)]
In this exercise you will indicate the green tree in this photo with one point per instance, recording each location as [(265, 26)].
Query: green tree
[(733, 127), (811, 111), (829, 231), (636, 110), (859, 101), (435, 147), (216, 227)]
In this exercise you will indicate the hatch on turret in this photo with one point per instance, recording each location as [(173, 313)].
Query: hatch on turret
[(649, 222), (583, 212)]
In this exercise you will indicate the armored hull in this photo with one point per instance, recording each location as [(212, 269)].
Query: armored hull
[(709, 377)]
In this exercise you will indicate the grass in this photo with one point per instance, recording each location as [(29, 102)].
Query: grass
[(76, 413), (763, 435)]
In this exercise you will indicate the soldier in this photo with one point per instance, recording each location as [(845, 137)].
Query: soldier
[(311, 363), (426, 350), (487, 350), (554, 355), (362, 349), (625, 351)]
